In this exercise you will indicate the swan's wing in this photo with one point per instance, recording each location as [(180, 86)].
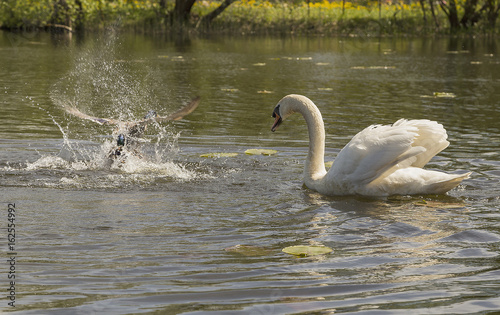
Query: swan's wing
[(431, 135), (102, 121), (186, 110), (378, 151)]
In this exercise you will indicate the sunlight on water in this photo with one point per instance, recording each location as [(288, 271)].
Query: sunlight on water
[(160, 228)]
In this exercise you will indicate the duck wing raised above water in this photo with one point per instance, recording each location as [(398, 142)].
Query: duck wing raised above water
[(185, 110)]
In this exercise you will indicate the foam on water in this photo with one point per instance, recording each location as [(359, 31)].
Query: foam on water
[(55, 171)]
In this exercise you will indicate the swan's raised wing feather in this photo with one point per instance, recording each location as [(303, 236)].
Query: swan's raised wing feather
[(431, 135), (378, 151)]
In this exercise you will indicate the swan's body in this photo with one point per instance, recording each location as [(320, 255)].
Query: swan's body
[(378, 161)]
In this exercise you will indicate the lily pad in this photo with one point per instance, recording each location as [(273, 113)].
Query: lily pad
[(444, 94), (305, 250), (260, 152), (373, 67), (219, 154), (230, 90)]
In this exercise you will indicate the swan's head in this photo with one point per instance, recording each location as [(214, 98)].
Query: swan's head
[(277, 118), (286, 106)]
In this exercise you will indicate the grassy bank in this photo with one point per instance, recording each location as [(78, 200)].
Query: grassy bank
[(321, 17), (244, 16)]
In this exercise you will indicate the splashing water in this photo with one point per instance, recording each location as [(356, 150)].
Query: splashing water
[(85, 164), (102, 84)]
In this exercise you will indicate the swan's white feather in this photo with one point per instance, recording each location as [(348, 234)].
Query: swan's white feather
[(378, 151), (388, 160), (380, 160)]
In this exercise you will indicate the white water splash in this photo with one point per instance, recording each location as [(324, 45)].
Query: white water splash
[(87, 164), (100, 85)]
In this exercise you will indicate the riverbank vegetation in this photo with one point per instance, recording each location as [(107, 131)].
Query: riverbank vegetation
[(340, 17)]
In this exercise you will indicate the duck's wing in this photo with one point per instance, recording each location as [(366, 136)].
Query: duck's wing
[(378, 151), (186, 110), (189, 108), (102, 121)]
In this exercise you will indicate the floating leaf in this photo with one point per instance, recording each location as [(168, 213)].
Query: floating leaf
[(230, 90), (304, 250), (260, 152), (248, 250), (259, 64), (322, 63), (373, 67), (444, 94), (325, 89), (456, 52), (265, 92), (329, 164), (219, 154)]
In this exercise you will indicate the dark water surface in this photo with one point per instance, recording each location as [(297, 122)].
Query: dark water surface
[(175, 232)]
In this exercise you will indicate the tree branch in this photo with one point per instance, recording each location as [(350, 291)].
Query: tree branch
[(207, 19)]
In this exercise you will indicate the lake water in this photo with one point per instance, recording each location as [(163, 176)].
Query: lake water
[(175, 232)]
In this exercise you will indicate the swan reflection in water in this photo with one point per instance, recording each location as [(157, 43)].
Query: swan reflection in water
[(130, 133), (378, 161)]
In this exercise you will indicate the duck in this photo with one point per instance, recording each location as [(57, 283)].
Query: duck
[(381, 160), (129, 133)]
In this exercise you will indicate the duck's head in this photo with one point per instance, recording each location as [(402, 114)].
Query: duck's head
[(120, 141)]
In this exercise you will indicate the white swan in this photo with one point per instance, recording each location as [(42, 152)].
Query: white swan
[(378, 161)]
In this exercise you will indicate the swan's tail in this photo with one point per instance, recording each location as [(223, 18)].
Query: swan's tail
[(447, 185)]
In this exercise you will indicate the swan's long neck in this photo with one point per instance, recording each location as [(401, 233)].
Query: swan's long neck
[(314, 169)]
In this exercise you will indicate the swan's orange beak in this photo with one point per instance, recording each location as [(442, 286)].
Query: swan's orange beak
[(277, 122)]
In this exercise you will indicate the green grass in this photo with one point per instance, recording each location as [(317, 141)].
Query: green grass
[(244, 16)]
